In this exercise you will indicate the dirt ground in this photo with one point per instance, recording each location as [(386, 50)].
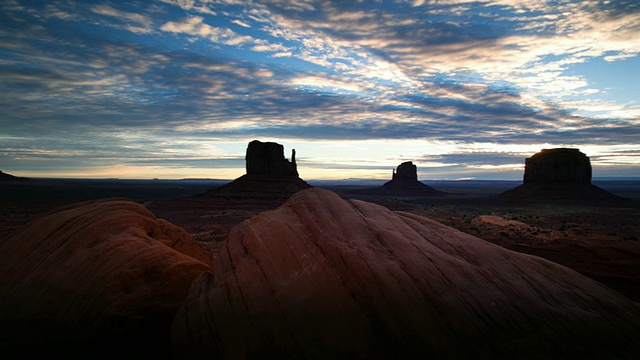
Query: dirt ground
[(602, 242)]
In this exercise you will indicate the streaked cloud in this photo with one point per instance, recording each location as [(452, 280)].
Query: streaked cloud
[(475, 75)]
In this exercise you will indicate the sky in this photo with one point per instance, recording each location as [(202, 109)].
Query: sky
[(177, 89)]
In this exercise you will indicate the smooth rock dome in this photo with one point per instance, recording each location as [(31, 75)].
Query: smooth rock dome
[(325, 278), (94, 278)]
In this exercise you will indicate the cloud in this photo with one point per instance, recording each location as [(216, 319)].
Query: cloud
[(507, 48), (269, 48), (201, 7), (460, 72), (136, 23), (241, 23)]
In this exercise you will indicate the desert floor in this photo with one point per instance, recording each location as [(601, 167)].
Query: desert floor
[(602, 242)]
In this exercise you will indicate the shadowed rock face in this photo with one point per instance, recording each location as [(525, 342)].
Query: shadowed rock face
[(267, 158), (560, 175), (404, 182), (8, 177), (94, 278), (322, 277), (559, 165), (406, 171), (269, 174)]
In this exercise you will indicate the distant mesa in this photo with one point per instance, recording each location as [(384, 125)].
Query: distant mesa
[(559, 174), (8, 177), (269, 174), (404, 182), (560, 165)]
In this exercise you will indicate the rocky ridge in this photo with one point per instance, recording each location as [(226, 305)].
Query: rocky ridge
[(8, 177)]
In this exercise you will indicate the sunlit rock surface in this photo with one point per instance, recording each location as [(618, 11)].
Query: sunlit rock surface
[(95, 277), (322, 277)]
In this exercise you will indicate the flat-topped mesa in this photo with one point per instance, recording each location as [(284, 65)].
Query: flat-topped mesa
[(269, 174), (267, 158), (560, 175), (560, 165)]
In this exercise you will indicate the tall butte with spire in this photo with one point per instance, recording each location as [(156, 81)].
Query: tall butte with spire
[(404, 182), (269, 174)]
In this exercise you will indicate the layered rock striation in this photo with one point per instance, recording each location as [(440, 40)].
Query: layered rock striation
[(404, 182), (269, 174), (560, 175), (94, 278), (323, 277)]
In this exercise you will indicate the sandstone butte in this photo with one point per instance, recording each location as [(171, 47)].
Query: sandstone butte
[(94, 278), (404, 182), (560, 175), (325, 278)]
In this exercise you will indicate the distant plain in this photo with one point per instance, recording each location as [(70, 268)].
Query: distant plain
[(602, 242)]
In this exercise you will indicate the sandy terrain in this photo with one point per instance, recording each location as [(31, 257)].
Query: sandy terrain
[(602, 242)]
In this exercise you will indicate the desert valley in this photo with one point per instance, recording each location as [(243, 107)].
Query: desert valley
[(272, 266)]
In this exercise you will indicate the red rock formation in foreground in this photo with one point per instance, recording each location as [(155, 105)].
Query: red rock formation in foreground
[(95, 278), (322, 277)]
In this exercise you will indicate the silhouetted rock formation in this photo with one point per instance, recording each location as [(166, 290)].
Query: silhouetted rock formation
[(267, 158), (325, 278), (561, 165), (269, 174), (559, 175), (406, 172), (404, 182), (94, 278), (9, 177)]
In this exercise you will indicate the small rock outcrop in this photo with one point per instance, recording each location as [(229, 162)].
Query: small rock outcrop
[(326, 278), (560, 175), (93, 279), (8, 177), (404, 182), (269, 174)]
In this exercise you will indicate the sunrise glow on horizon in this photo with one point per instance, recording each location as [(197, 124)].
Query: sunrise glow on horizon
[(177, 89)]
